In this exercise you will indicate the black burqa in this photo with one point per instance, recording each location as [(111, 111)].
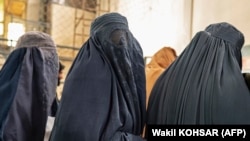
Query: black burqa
[(103, 98), (28, 81), (205, 84)]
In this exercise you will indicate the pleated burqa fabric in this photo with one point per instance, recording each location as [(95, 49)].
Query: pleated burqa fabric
[(159, 62), (103, 98), (205, 84), (28, 83)]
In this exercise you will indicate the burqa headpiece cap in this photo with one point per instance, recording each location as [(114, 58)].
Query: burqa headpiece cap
[(227, 32), (106, 19), (35, 39)]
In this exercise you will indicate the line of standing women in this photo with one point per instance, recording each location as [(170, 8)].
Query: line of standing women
[(104, 94)]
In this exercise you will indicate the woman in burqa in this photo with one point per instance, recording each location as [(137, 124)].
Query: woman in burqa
[(205, 84), (159, 62), (28, 82), (103, 98)]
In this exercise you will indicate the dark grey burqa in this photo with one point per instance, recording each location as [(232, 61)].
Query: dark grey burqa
[(103, 98), (205, 84), (28, 82)]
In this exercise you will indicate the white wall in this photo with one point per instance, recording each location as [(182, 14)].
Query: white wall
[(158, 23), (236, 12)]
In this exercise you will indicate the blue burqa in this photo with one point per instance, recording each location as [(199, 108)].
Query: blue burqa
[(28, 81), (204, 85), (103, 98)]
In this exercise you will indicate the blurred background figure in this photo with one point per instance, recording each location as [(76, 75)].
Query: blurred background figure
[(159, 62), (104, 93), (246, 58), (60, 75), (246, 64), (28, 82), (60, 78), (205, 84)]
